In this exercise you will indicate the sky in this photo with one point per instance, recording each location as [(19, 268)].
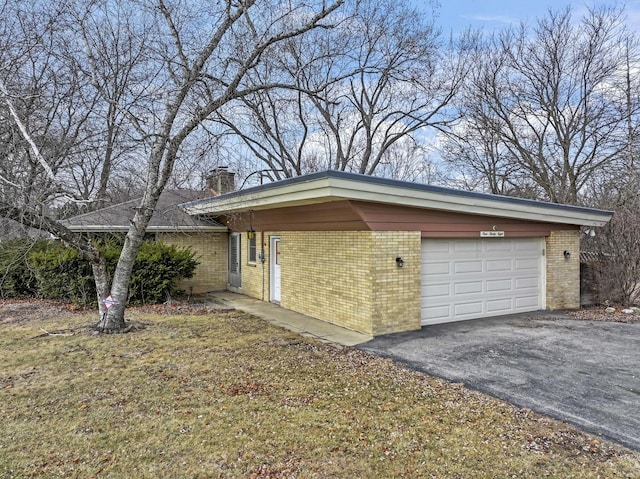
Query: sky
[(456, 15)]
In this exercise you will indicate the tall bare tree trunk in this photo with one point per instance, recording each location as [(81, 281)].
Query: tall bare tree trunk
[(101, 278), (112, 319)]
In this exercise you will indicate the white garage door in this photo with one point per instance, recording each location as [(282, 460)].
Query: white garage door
[(475, 278)]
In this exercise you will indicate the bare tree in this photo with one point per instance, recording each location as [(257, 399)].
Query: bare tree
[(616, 263), (112, 57), (366, 92), (67, 98), (197, 58), (478, 161), (543, 107), (615, 249), (38, 95)]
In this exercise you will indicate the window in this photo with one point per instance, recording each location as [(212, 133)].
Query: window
[(251, 246)]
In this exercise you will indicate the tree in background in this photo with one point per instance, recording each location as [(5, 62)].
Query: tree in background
[(617, 257), (547, 110), (551, 112), (180, 64), (367, 92)]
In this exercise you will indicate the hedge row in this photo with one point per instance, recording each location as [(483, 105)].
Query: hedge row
[(50, 270)]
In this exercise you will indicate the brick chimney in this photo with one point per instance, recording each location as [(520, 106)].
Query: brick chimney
[(220, 180)]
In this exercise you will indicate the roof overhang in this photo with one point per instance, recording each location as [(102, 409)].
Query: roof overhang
[(150, 229), (336, 185)]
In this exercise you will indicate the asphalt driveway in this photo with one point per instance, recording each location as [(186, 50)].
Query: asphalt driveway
[(583, 372)]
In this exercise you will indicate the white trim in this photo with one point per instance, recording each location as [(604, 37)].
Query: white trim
[(543, 273), (326, 189), (273, 277)]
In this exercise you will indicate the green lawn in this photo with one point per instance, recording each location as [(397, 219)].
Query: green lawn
[(228, 395)]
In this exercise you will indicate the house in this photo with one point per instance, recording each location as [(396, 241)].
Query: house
[(372, 254), (169, 223), (381, 256)]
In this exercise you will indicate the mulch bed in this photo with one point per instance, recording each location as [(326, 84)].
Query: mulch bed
[(598, 313)]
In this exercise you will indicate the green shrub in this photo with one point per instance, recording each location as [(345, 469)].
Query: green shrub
[(50, 270), (63, 275), (17, 275), (157, 268)]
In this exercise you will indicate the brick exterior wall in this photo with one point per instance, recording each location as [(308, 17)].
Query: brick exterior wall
[(396, 291), (328, 275), (211, 250), (255, 276), (350, 278), (346, 278), (563, 274)]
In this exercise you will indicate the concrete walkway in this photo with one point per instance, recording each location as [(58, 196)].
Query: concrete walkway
[(296, 322)]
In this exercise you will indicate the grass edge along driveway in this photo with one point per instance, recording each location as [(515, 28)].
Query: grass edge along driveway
[(224, 394)]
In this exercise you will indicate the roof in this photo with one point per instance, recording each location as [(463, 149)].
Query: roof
[(334, 185), (167, 216), (11, 230)]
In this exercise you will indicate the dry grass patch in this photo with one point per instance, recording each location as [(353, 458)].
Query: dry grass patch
[(228, 395)]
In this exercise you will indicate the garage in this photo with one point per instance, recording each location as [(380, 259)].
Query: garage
[(475, 278)]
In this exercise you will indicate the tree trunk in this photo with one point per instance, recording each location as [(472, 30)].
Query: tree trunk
[(112, 317), (101, 278), (112, 314)]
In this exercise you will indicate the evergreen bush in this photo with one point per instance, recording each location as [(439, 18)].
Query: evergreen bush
[(157, 269), (63, 275), (50, 270), (17, 275)]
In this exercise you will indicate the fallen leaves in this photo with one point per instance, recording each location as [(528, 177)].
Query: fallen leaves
[(250, 389), (227, 395), (287, 470), (599, 313)]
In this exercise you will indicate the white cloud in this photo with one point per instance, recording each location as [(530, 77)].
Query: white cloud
[(504, 19)]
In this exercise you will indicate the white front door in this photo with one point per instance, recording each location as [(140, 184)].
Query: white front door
[(275, 269), (476, 278)]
